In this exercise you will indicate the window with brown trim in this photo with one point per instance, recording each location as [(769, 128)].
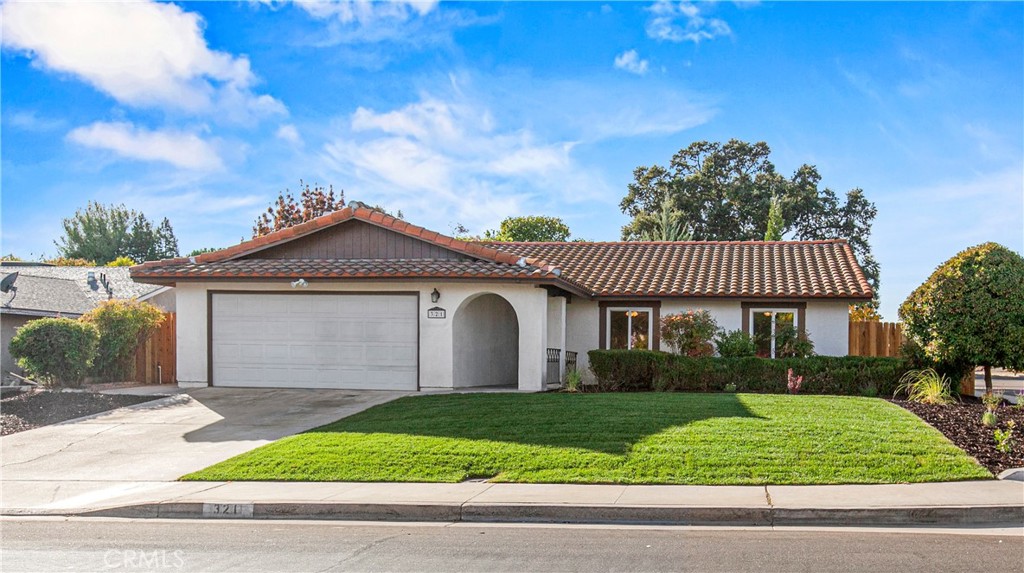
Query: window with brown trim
[(764, 320), (634, 325)]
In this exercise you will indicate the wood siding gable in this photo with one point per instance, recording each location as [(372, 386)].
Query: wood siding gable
[(354, 239)]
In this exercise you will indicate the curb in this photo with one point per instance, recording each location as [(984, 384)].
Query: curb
[(560, 513)]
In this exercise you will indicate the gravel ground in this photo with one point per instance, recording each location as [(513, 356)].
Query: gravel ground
[(44, 407), (961, 423)]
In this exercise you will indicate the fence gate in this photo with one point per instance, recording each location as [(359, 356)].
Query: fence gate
[(156, 360)]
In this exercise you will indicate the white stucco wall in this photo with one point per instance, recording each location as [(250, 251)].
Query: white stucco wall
[(436, 335), (727, 313), (828, 326), (556, 329), (581, 329), (486, 343)]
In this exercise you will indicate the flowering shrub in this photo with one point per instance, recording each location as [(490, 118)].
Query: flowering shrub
[(793, 382), (689, 333)]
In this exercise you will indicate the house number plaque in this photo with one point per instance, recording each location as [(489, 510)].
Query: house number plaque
[(436, 312)]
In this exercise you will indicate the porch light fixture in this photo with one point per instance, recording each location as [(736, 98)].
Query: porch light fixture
[(435, 296)]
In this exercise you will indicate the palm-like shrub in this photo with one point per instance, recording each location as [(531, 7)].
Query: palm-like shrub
[(925, 386)]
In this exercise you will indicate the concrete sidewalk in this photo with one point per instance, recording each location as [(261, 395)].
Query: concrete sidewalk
[(960, 503)]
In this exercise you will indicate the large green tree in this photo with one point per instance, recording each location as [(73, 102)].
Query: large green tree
[(971, 310), (104, 233), (530, 228), (725, 191)]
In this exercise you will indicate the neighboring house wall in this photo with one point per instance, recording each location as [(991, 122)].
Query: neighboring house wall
[(9, 325), (436, 348), (164, 301)]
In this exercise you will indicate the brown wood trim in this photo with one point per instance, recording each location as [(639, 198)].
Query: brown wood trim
[(209, 336), (209, 319), (801, 312), (654, 305)]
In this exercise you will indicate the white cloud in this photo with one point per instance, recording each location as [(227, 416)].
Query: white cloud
[(143, 54), (631, 62), (289, 133), (397, 23), (443, 158), (366, 11), (181, 149), (30, 120), (683, 21)]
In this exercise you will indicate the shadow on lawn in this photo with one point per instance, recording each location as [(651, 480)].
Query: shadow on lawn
[(606, 423)]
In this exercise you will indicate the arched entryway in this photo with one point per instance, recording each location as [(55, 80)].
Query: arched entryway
[(486, 343)]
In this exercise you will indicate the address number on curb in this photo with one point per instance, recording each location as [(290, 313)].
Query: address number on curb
[(227, 510)]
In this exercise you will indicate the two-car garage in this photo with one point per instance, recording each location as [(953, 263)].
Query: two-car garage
[(314, 340)]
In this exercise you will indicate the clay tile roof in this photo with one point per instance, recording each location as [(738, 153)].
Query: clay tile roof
[(796, 269), (790, 269)]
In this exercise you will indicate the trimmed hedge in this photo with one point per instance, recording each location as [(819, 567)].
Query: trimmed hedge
[(58, 351), (646, 370)]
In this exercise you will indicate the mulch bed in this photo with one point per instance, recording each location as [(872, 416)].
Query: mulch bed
[(44, 407), (961, 423)]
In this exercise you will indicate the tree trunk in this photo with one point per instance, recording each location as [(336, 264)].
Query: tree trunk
[(988, 378)]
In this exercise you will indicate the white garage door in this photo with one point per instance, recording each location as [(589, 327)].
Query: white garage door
[(348, 341)]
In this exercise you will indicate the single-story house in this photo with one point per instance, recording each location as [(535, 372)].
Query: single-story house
[(43, 290), (358, 299)]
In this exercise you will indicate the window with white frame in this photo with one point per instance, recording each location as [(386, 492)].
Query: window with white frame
[(630, 328), (766, 326)]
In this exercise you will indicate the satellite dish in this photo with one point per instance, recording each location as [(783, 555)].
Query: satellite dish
[(7, 285)]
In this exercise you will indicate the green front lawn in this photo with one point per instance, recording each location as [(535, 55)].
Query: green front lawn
[(615, 438)]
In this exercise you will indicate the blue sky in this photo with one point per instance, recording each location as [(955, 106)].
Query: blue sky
[(203, 112)]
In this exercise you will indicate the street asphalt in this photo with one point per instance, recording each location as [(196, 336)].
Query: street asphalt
[(78, 544)]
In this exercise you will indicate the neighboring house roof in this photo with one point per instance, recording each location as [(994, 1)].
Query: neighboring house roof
[(791, 269), (809, 269), (44, 290)]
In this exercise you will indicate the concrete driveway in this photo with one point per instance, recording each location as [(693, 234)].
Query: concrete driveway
[(146, 445)]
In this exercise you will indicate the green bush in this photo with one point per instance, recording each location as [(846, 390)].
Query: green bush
[(913, 353), (639, 370), (123, 325), (971, 310), (56, 351), (792, 344), (626, 370), (689, 332), (735, 344)]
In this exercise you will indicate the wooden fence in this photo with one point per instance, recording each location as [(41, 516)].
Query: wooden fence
[(872, 338), (156, 361)]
